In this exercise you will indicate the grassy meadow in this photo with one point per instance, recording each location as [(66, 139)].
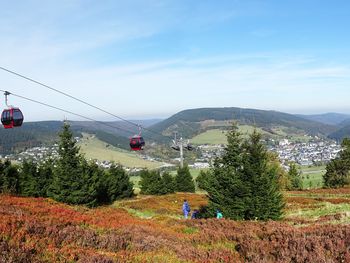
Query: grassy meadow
[(217, 136), (94, 148), (312, 176)]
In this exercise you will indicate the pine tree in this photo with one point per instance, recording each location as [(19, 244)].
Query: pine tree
[(153, 183), (167, 184), (294, 176), (242, 184), (338, 170), (118, 184), (184, 181), (9, 178), (223, 182), (266, 201), (28, 179), (74, 180), (150, 182), (45, 176)]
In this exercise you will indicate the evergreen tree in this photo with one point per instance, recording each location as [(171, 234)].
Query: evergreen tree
[(184, 181), (275, 165), (118, 184), (294, 176), (338, 170), (74, 180), (150, 182), (29, 179), (266, 200), (242, 184), (153, 183), (223, 182), (45, 176), (167, 184), (201, 179), (9, 178)]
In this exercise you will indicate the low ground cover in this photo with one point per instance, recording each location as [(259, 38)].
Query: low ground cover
[(151, 229)]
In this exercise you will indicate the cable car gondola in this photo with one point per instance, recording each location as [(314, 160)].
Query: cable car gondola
[(137, 143), (11, 117)]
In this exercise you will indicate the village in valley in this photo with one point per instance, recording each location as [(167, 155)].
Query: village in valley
[(317, 151)]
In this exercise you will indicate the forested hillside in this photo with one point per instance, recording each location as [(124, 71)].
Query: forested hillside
[(33, 134), (187, 122)]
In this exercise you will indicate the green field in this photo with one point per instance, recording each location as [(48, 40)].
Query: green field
[(94, 148), (313, 176), (218, 136), (215, 136)]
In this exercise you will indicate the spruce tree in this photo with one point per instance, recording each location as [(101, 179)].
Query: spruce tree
[(223, 182), (45, 176), (10, 181), (118, 184), (266, 200), (294, 176), (150, 182), (153, 183), (167, 184), (74, 181), (29, 179), (338, 170), (242, 184), (184, 181)]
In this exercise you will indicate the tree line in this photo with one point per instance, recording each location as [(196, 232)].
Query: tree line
[(155, 183), (69, 179)]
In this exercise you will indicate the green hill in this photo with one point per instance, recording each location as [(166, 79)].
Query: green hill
[(33, 134), (190, 123), (94, 148)]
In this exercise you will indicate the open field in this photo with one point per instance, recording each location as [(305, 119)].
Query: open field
[(313, 176), (151, 229), (214, 136), (94, 148), (217, 136)]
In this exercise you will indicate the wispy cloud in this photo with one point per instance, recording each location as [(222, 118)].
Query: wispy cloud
[(87, 49)]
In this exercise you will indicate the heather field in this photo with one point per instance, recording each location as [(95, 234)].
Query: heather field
[(150, 229)]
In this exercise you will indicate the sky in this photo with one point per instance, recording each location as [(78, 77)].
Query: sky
[(151, 59)]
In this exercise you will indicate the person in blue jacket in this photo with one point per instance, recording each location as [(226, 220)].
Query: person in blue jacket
[(186, 208)]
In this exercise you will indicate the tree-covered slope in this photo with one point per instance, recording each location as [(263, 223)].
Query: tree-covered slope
[(187, 122)]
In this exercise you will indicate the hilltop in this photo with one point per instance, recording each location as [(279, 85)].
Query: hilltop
[(190, 123)]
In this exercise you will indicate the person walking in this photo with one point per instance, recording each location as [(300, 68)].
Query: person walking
[(186, 208)]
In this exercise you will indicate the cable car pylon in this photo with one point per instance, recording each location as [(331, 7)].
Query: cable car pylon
[(179, 145)]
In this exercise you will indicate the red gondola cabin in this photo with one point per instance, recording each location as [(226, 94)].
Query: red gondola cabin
[(137, 143), (11, 117)]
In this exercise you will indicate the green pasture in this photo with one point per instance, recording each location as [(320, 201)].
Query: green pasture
[(94, 148), (214, 136), (312, 176), (218, 136)]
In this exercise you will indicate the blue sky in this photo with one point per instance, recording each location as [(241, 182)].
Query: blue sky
[(142, 59)]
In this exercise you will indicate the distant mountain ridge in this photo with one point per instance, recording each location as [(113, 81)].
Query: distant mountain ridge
[(330, 118)]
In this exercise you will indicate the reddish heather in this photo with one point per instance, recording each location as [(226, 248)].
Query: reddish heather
[(41, 230)]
